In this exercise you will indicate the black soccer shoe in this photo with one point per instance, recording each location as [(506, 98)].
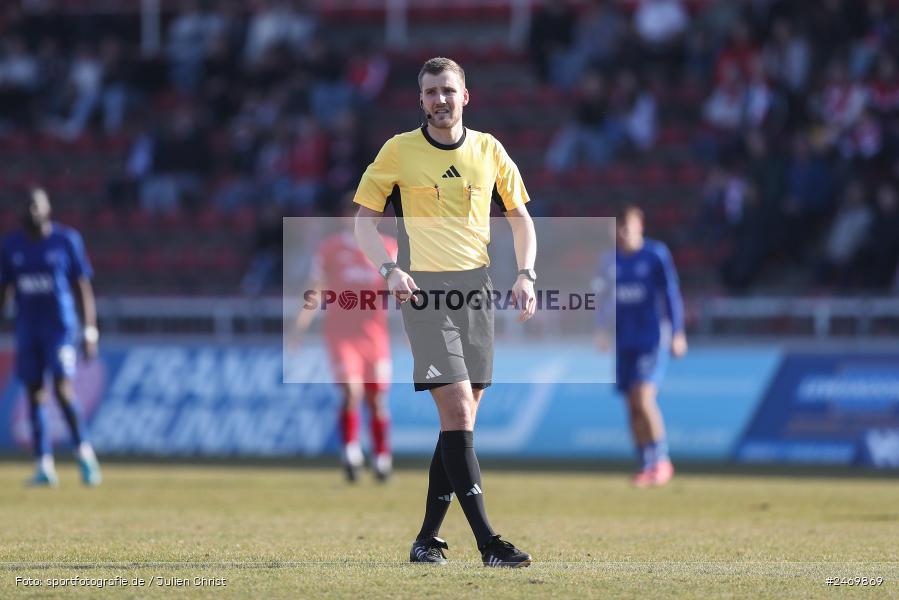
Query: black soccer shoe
[(351, 472), (429, 550), (500, 553)]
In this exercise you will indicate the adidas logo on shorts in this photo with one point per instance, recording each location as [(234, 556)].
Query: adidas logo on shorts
[(433, 372), (474, 491)]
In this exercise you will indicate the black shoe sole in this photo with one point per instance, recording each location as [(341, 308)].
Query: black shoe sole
[(511, 565)]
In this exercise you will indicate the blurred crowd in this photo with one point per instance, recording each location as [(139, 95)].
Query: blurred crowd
[(792, 111), (796, 119), (254, 103)]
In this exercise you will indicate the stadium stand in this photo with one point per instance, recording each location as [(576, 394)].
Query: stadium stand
[(737, 125)]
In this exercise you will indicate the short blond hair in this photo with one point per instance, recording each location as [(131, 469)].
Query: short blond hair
[(438, 65)]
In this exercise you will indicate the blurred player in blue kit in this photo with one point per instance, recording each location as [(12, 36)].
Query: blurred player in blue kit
[(649, 323), (46, 264)]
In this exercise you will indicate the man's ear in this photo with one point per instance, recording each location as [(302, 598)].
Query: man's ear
[(465, 97)]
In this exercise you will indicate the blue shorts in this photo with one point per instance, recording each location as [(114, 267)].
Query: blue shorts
[(640, 366), (46, 351)]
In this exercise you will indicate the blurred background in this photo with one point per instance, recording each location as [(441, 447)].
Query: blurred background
[(759, 136)]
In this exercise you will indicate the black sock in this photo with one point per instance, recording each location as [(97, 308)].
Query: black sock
[(70, 411), (464, 473), (440, 494)]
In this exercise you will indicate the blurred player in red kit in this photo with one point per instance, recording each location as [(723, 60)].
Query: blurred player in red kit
[(358, 341)]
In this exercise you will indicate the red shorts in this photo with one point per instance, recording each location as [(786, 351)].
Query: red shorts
[(360, 359)]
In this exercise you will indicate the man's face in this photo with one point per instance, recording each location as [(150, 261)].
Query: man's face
[(37, 210), (630, 230), (443, 96)]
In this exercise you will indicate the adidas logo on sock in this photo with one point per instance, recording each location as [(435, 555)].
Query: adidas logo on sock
[(474, 491), (433, 372), (451, 172), (446, 498)]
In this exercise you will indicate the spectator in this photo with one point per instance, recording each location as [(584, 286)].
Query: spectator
[(552, 28), (18, 82), (841, 101), (593, 134), (190, 37), (637, 110), (724, 108), (740, 53), (661, 26), (846, 235), (180, 161), (264, 272), (878, 257), (277, 22), (809, 193), (787, 58), (367, 71), (600, 37), (84, 85), (660, 23)]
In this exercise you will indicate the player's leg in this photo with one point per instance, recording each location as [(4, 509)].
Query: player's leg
[(63, 358), (379, 413), (45, 468), (30, 368), (351, 399), (440, 493), (84, 451), (428, 547), (378, 370), (347, 368), (656, 466), (457, 410)]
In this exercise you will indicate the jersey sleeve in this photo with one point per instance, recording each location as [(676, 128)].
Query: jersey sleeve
[(379, 179), (670, 285), (80, 265), (509, 189)]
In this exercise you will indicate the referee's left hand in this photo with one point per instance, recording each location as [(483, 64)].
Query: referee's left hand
[(525, 299)]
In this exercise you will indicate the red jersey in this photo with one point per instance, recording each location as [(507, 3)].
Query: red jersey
[(342, 268)]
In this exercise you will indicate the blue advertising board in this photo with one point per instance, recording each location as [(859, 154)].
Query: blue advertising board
[(828, 409), (748, 404)]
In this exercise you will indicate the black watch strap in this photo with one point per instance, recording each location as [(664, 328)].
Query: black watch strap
[(386, 269), (529, 273)]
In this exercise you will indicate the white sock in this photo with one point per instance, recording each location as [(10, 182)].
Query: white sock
[(384, 462), (46, 463), (352, 454), (86, 452)]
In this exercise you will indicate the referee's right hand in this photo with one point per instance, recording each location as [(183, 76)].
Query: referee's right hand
[(401, 285)]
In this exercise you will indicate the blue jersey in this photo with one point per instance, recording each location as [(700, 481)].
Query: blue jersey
[(647, 294), (42, 271)]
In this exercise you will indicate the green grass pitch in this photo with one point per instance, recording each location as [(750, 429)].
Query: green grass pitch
[(279, 532)]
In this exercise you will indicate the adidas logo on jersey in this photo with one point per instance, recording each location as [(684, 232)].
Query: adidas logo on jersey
[(433, 372), (474, 491), (451, 172)]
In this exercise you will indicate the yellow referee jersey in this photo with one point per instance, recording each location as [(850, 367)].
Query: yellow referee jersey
[(441, 195)]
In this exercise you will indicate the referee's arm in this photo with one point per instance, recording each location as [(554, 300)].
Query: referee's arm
[(399, 282), (525, 240)]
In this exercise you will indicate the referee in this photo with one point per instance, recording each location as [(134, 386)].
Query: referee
[(441, 179)]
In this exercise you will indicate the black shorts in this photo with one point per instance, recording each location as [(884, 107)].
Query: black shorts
[(450, 327)]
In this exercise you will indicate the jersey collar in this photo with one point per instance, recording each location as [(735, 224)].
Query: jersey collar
[(436, 144)]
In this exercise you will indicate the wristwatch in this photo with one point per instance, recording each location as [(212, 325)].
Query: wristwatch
[(530, 274), (386, 269)]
